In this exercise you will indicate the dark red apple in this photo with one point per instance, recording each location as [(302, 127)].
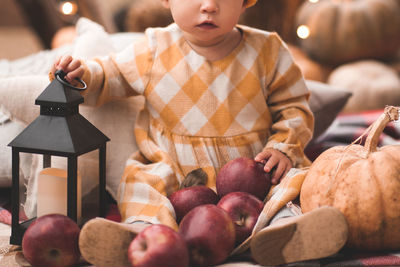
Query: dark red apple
[(243, 175), (209, 233), (52, 240), (158, 245), (244, 210), (184, 200)]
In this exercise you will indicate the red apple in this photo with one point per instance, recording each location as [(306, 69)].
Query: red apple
[(52, 240), (244, 210), (244, 175), (158, 245), (209, 233), (184, 200)]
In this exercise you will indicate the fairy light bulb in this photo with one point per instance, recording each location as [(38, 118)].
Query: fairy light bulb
[(68, 8), (303, 32), (313, 1)]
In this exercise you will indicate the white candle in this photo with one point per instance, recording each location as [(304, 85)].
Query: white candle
[(52, 192)]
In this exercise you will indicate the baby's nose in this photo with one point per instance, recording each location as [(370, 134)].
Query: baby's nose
[(209, 6)]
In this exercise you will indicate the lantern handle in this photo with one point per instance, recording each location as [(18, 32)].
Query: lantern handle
[(60, 74)]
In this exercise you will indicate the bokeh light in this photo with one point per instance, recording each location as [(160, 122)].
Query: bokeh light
[(68, 8), (303, 32)]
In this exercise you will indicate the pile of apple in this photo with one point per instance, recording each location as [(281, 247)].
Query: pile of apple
[(211, 223)]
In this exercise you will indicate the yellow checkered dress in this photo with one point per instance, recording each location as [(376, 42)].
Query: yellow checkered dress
[(198, 113)]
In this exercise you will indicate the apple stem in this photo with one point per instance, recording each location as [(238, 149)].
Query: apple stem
[(196, 255), (241, 220), (143, 245)]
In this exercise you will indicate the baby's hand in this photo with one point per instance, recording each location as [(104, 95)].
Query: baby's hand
[(276, 161), (72, 67)]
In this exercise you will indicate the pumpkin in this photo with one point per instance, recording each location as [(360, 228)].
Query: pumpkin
[(311, 69), (363, 182), (268, 14), (373, 84), (65, 35), (346, 30)]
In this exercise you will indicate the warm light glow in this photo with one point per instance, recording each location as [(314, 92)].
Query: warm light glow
[(313, 1), (303, 32), (68, 8)]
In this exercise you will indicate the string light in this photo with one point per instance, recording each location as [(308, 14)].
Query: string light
[(68, 7), (303, 32)]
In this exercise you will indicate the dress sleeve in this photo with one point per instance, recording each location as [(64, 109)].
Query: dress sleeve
[(118, 75), (287, 98)]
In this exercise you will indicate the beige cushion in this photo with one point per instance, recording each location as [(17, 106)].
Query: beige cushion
[(8, 130)]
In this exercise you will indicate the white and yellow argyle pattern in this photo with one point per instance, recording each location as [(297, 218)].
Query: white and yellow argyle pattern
[(200, 114)]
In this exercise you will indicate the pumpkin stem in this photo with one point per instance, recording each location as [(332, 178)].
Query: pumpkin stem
[(390, 114)]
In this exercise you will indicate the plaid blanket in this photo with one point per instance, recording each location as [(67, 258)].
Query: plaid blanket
[(348, 127), (344, 130)]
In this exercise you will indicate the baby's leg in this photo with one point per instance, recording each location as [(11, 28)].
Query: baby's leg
[(142, 201), (143, 190), (293, 237), (287, 211)]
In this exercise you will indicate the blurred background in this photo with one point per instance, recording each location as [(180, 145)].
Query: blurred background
[(29, 25)]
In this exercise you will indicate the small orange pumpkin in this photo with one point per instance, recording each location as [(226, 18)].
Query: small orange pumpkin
[(363, 182), (346, 30)]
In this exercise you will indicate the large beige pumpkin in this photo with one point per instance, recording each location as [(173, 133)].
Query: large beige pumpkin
[(363, 182), (345, 30), (373, 84)]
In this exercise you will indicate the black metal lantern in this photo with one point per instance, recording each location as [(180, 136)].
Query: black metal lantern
[(59, 131)]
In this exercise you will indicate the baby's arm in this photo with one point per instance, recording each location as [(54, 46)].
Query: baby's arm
[(292, 118), (274, 161), (115, 76)]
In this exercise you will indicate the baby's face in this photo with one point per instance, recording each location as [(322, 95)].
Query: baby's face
[(206, 21)]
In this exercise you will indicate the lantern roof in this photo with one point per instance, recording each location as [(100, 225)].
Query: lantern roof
[(59, 129), (56, 94)]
